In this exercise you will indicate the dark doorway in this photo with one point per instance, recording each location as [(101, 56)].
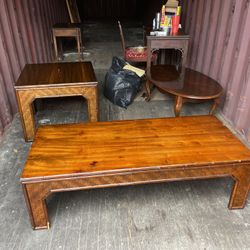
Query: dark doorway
[(139, 10)]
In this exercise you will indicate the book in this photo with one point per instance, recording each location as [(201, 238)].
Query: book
[(172, 3), (171, 6), (139, 72)]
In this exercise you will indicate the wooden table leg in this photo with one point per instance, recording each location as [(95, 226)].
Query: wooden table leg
[(148, 86), (61, 56), (78, 46), (178, 105), (215, 105), (55, 46), (92, 98), (35, 195), (240, 190), (25, 103)]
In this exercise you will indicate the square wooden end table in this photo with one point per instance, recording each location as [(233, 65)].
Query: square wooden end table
[(54, 80)]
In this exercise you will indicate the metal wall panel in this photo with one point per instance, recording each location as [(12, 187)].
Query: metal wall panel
[(25, 37), (220, 48)]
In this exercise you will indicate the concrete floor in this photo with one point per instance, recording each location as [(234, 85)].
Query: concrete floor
[(176, 215)]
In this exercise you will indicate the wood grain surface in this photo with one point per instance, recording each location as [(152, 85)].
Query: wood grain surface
[(48, 74), (112, 146), (196, 86)]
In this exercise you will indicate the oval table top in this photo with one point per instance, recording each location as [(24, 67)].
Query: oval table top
[(196, 85)]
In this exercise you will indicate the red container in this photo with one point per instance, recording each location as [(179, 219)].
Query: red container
[(175, 24)]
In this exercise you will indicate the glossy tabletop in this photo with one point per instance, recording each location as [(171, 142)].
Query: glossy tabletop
[(89, 149), (48, 74), (196, 85)]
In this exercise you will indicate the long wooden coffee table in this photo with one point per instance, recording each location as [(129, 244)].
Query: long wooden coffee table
[(54, 80), (108, 154)]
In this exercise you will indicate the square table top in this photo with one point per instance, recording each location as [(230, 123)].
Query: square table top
[(117, 146), (63, 74)]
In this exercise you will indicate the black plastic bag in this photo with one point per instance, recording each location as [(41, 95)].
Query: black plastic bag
[(118, 64), (121, 86)]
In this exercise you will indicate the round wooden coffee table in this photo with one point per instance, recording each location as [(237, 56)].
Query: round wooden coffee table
[(196, 87)]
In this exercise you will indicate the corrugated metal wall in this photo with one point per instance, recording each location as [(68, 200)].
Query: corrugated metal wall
[(220, 48), (25, 37)]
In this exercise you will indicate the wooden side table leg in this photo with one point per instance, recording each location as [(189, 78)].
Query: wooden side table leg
[(92, 97), (148, 86), (25, 103), (178, 105), (35, 201), (78, 46), (61, 56), (55, 46), (215, 105)]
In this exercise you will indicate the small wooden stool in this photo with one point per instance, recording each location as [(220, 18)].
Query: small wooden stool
[(67, 30)]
